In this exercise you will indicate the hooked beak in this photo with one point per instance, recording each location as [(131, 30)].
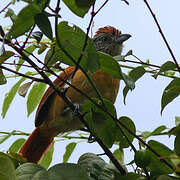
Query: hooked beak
[(123, 37)]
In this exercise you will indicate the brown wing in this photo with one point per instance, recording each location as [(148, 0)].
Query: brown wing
[(44, 103)]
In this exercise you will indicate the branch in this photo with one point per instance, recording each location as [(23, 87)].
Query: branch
[(162, 34), (23, 75), (5, 7)]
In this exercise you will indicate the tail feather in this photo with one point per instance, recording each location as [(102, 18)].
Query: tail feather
[(35, 146)]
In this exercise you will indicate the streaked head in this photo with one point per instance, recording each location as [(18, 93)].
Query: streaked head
[(109, 40)]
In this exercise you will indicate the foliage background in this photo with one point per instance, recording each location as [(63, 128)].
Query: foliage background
[(143, 104)]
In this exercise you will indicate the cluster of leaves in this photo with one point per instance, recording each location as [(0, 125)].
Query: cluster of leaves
[(72, 40)]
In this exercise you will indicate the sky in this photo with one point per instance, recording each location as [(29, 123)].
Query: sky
[(142, 104)]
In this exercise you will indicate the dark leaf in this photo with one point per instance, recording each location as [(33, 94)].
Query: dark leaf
[(123, 142), (10, 13), (75, 9), (31, 171), (35, 96), (6, 55), (67, 171), (2, 78), (84, 4), (92, 163), (44, 24), (156, 166), (177, 144), (7, 170), (69, 150), (170, 93), (99, 122), (37, 35), (42, 48)]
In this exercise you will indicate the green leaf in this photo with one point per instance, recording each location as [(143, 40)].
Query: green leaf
[(177, 120), (157, 131), (142, 158), (156, 166), (7, 170), (5, 137), (119, 154), (177, 144), (44, 24), (109, 172), (128, 81), (42, 48), (170, 93), (69, 150), (67, 171), (109, 65), (35, 96), (27, 52), (92, 163), (135, 74), (123, 142), (72, 40), (10, 13), (84, 4), (2, 78), (131, 176), (47, 158), (24, 21), (99, 122), (6, 55), (10, 96), (75, 9), (31, 171), (169, 65), (16, 145)]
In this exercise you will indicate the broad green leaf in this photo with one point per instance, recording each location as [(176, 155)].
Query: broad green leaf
[(42, 48), (2, 78), (10, 13), (156, 166), (16, 145), (47, 158), (24, 21), (35, 96), (75, 9), (157, 131), (169, 65), (72, 40), (6, 55), (135, 74), (28, 52), (164, 177), (99, 122), (7, 170), (109, 172), (67, 171), (69, 150), (92, 163), (170, 93), (177, 144), (10, 96), (44, 24), (142, 158), (123, 142), (84, 4), (109, 65), (31, 171), (128, 81), (119, 154), (131, 176)]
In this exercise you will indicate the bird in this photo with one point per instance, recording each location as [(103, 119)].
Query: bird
[(53, 116)]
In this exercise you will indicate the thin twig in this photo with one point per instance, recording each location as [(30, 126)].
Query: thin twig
[(5, 7), (162, 34), (21, 74)]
